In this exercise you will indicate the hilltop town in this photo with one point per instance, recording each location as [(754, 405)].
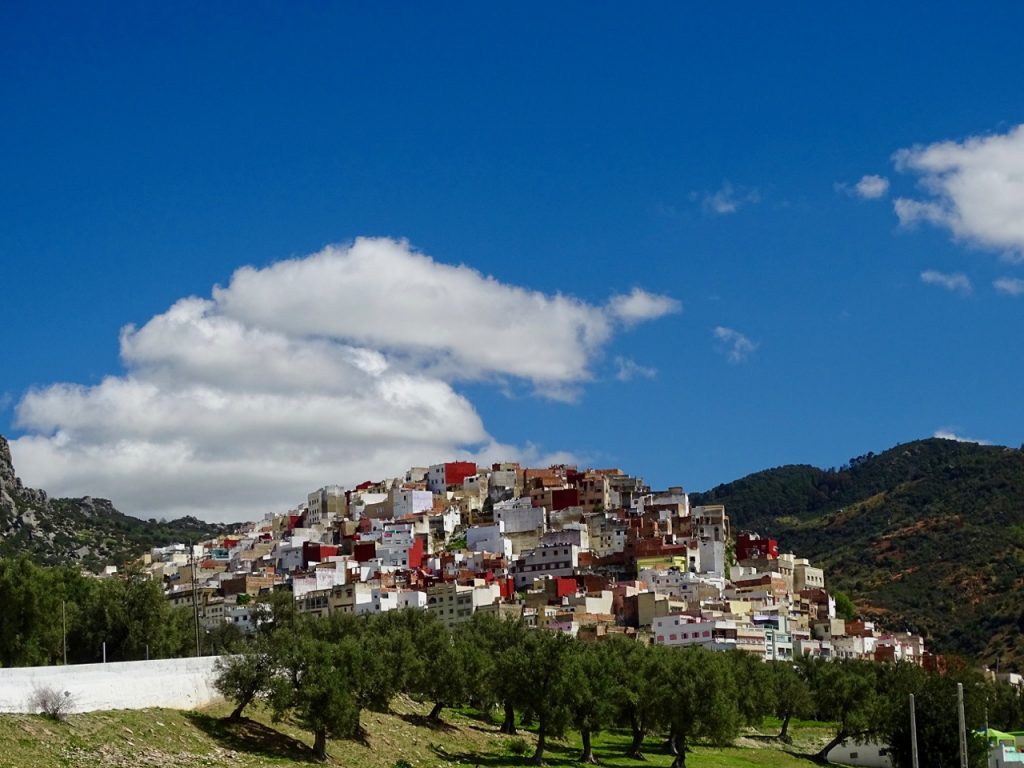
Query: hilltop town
[(585, 552)]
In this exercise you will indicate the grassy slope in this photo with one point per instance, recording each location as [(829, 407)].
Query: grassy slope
[(160, 738)]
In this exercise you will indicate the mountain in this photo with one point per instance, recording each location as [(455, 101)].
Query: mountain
[(927, 536), (86, 531)]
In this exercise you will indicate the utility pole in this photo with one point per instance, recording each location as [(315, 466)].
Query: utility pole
[(913, 734), (64, 625), (195, 592), (963, 724)]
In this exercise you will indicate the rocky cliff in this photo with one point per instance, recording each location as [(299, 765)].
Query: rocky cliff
[(85, 531)]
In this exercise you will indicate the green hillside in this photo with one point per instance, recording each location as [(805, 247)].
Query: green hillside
[(162, 738), (927, 536)]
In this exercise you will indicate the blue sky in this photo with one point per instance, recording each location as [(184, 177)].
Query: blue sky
[(704, 154)]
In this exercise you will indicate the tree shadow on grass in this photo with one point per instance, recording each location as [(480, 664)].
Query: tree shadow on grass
[(422, 721), (250, 736), (555, 754)]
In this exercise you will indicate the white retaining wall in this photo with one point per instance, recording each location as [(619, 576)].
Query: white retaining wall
[(171, 683)]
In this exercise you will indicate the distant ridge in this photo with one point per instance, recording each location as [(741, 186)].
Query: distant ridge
[(87, 532), (928, 534)]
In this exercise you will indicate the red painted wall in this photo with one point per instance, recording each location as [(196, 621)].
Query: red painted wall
[(457, 471), (416, 553), (563, 498), (748, 547), (364, 550)]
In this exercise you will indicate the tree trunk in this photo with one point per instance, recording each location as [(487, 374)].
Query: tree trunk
[(679, 745), (435, 713), (670, 743), (320, 744), (784, 733), (538, 756), (822, 756), (236, 713), (588, 749), (638, 738), (509, 724)]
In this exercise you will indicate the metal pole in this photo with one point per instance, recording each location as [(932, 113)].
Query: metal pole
[(104, 651), (913, 734), (963, 724), (64, 625), (195, 592)]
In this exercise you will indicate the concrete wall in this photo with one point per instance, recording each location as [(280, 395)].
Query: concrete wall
[(172, 683)]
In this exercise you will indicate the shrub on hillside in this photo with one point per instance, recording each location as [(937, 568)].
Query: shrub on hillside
[(52, 703)]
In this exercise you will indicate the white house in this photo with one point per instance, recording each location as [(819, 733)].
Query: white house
[(543, 562), (489, 538), (681, 629), (406, 501), (520, 516)]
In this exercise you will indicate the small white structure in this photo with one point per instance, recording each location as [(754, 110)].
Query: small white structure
[(861, 753)]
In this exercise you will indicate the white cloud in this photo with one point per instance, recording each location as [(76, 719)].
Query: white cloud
[(638, 306), (949, 434), (974, 188), (734, 345), (334, 368), (627, 370), (871, 187), (1011, 286), (956, 282), (729, 199), (448, 319)]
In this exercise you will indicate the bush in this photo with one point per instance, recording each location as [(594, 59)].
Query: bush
[(517, 746), (52, 703)]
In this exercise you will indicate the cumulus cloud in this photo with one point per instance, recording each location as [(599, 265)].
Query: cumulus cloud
[(627, 370), (450, 319), (973, 188), (870, 187), (949, 434), (956, 282), (729, 199), (1010, 286), (639, 306), (734, 345), (334, 368)]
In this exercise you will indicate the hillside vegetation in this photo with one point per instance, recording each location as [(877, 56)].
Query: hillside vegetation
[(927, 536)]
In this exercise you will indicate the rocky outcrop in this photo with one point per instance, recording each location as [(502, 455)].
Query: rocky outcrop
[(7, 477), (9, 482), (87, 531)]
